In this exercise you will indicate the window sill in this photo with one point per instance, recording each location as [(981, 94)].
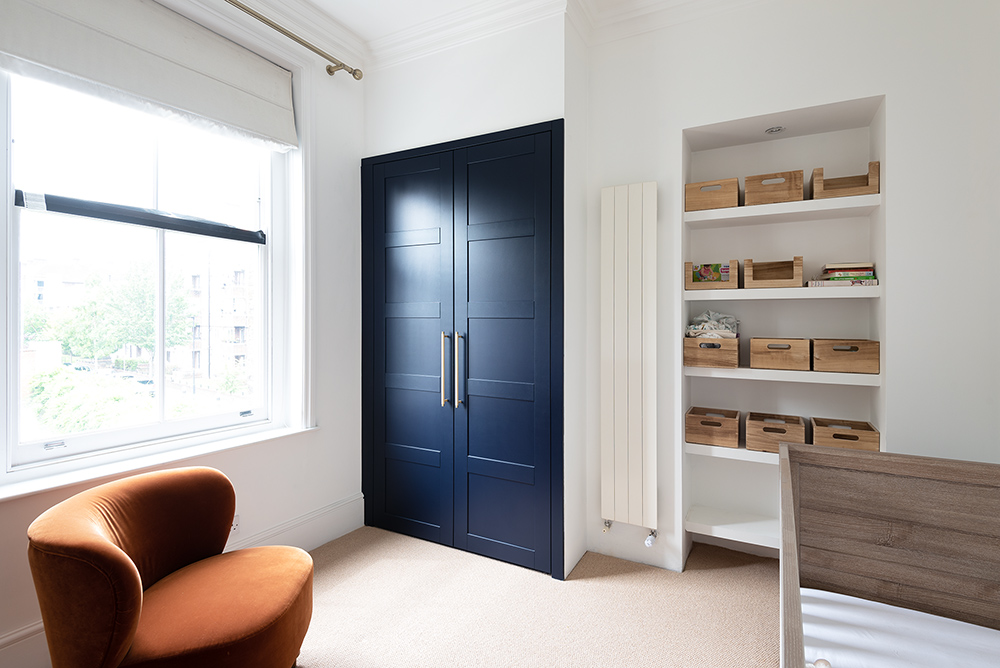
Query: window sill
[(20, 488)]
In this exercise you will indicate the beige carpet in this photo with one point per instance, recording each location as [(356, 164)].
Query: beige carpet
[(386, 600)]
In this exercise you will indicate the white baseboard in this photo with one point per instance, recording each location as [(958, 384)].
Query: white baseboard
[(313, 529), (25, 647)]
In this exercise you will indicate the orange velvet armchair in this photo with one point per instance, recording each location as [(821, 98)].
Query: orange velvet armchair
[(131, 573)]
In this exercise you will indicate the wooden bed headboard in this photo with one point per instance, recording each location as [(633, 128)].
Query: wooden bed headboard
[(914, 532)]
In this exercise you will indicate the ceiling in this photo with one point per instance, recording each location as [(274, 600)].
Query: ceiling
[(394, 30), (373, 20)]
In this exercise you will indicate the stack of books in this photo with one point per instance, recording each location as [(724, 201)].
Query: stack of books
[(845, 273)]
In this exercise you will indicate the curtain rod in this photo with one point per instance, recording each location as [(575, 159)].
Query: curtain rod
[(330, 69)]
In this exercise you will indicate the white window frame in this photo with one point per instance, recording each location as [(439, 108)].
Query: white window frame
[(289, 297)]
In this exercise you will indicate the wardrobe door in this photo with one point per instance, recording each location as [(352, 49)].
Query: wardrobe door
[(412, 339), (502, 314)]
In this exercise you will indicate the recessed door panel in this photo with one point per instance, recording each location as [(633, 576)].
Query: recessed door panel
[(406, 346), (502, 349), (512, 522), (503, 430), (501, 270)]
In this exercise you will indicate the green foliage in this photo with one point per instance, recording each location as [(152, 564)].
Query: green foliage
[(122, 312), (35, 324), (235, 379), (69, 402), (126, 365)]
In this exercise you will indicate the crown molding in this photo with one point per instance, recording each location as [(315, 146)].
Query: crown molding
[(581, 19), (628, 19), (475, 22)]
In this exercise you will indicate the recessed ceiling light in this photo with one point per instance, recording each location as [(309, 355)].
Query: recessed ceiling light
[(773, 130)]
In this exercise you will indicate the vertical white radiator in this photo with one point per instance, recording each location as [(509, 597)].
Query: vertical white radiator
[(628, 354)]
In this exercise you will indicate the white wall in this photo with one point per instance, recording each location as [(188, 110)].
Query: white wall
[(937, 66), (580, 353), (302, 490), (502, 81)]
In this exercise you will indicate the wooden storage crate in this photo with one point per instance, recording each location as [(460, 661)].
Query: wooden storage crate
[(712, 426), (845, 355), (789, 354), (772, 188), (690, 284), (721, 194), (715, 353), (846, 186), (765, 430), (783, 274), (845, 434)]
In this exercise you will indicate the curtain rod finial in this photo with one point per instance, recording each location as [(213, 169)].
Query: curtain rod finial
[(355, 72)]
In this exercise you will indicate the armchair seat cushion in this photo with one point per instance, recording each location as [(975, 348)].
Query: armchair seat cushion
[(248, 608)]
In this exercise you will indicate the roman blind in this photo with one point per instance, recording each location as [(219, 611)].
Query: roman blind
[(146, 55)]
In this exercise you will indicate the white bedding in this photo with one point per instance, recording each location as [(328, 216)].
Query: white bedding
[(854, 633)]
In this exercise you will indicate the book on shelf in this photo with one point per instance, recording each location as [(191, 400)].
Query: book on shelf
[(844, 266), (848, 273), (838, 283)]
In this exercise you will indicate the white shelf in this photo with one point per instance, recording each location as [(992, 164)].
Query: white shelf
[(781, 376), (740, 454), (762, 294), (731, 525), (808, 210)]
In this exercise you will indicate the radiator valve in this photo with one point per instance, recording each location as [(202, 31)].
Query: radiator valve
[(651, 538), (607, 525)]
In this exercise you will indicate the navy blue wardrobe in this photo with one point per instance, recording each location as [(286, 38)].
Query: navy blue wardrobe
[(462, 352)]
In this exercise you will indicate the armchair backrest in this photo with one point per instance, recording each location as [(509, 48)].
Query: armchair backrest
[(92, 555)]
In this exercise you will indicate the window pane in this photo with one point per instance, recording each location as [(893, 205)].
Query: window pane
[(88, 307), (215, 342)]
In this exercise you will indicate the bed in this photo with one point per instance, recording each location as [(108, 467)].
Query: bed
[(888, 560)]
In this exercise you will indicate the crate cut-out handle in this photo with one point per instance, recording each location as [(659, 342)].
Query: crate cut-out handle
[(716, 186), (775, 430), (709, 345), (708, 423), (718, 415), (773, 182), (846, 349), (778, 346), (775, 420), (846, 437)]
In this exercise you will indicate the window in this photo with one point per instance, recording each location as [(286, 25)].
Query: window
[(93, 366)]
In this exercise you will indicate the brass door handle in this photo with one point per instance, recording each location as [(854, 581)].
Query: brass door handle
[(458, 397), (444, 399)]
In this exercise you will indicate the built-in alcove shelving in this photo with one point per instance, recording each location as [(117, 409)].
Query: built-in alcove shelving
[(732, 493)]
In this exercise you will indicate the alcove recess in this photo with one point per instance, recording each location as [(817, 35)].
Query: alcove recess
[(731, 494)]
